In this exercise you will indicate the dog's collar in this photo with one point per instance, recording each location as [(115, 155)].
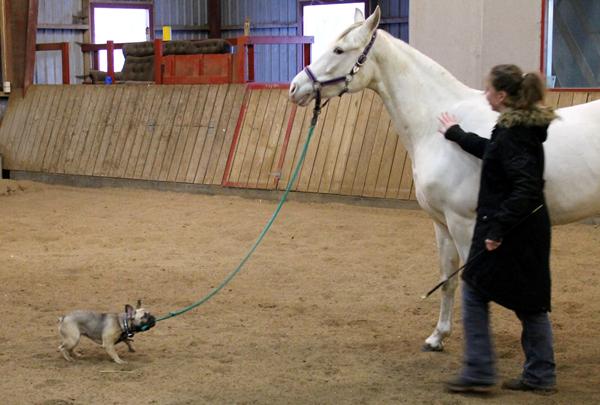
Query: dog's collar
[(127, 331)]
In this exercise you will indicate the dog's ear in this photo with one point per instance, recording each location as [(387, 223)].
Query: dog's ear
[(139, 304), (129, 311)]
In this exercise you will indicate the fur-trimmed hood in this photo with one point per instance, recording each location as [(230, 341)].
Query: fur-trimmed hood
[(534, 117)]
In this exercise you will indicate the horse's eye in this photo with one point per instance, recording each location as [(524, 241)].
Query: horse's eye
[(338, 51)]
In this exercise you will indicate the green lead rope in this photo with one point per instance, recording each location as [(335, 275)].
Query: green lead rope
[(265, 229)]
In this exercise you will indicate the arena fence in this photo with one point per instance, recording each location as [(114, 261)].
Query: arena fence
[(229, 135)]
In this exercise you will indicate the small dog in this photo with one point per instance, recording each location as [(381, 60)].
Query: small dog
[(104, 329)]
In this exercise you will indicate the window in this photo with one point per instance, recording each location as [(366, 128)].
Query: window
[(325, 20), (572, 43), (119, 23)]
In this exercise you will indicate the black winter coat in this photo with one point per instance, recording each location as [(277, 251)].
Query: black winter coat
[(517, 274)]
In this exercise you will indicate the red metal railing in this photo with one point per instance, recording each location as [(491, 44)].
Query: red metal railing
[(243, 58)]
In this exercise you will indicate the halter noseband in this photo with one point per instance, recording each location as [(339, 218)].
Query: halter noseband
[(347, 78)]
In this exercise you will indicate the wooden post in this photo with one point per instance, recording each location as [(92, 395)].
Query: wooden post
[(306, 54), (5, 42), (32, 15), (87, 36), (66, 68), (239, 60), (250, 50), (158, 66), (110, 59), (214, 18)]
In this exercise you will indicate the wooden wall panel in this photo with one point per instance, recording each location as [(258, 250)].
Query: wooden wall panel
[(235, 135)]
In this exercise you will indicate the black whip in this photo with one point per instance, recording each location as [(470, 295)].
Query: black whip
[(471, 259)]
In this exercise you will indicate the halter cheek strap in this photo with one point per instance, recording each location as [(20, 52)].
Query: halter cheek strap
[(347, 78)]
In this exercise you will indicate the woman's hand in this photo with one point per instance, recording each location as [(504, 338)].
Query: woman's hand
[(446, 121), (492, 244)]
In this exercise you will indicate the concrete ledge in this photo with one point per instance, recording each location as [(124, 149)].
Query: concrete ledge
[(98, 182)]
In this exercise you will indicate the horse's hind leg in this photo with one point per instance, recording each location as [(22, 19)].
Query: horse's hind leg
[(449, 260)]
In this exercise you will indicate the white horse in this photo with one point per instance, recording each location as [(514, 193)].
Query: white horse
[(415, 91)]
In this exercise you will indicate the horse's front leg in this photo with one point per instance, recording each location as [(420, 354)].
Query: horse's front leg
[(449, 260)]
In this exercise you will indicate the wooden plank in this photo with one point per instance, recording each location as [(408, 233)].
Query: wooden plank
[(115, 113), (184, 128), (105, 96), (367, 147), (128, 131), (34, 95), (313, 149), (133, 137), (324, 142), (266, 132), (192, 133), (224, 135), (552, 99), (262, 133), (211, 133), (165, 132), (243, 139), (387, 160), (51, 121), (413, 190), (124, 129), (580, 97), (407, 184), (254, 135), (297, 138), (170, 98), (593, 96), (346, 142), (58, 137), (152, 99), (47, 147), (201, 134), (75, 161), (337, 135), (53, 93), (269, 170), (69, 136), (104, 126), (397, 169), (357, 142), (78, 134), (176, 133), (565, 99), (377, 152), (16, 109), (151, 132)]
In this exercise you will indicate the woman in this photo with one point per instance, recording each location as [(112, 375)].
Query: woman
[(510, 249)]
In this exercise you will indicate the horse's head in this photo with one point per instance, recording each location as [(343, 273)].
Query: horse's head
[(344, 67)]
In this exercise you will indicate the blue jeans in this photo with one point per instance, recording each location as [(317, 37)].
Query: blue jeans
[(479, 358)]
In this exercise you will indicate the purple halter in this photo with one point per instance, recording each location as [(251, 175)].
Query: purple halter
[(347, 78)]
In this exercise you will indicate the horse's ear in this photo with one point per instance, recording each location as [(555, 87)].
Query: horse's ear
[(358, 15), (373, 21)]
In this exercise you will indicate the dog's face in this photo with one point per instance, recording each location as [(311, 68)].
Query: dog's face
[(142, 320)]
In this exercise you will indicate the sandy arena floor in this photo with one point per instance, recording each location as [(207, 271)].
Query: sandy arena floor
[(327, 311)]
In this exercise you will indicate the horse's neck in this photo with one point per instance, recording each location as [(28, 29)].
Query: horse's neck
[(414, 89)]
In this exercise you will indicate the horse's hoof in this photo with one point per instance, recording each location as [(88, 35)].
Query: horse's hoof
[(429, 348)]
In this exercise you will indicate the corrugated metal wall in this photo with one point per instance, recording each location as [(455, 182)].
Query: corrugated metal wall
[(189, 20), (275, 63)]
